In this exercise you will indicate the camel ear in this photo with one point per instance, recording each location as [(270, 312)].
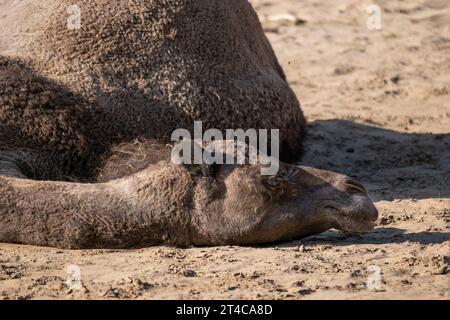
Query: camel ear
[(187, 151)]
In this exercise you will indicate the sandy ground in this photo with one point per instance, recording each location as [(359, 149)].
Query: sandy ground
[(378, 103)]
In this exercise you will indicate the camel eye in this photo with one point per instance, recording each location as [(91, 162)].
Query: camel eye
[(277, 188), (291, 173), (283, 178), (283, 185), (272, 183)]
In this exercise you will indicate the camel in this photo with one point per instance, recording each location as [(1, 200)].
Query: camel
[(183, 205), (86, 115)]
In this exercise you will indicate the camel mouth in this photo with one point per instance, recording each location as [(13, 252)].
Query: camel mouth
[(361, 227), (358, 225), (359, 217)]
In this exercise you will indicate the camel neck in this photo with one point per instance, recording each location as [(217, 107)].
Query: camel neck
[(124, 213)]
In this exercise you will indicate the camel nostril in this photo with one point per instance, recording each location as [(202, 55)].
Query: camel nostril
[(352, 186)]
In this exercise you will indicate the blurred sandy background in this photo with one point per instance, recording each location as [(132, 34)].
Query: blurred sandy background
[(378, 102)]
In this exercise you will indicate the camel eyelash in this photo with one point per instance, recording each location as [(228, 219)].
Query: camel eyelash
[(290, 175), (271, 184)]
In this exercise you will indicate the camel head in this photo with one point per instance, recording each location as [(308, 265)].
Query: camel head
[(236, 204)]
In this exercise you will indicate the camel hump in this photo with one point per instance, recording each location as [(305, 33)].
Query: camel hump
[(143, 69), (194, 36)]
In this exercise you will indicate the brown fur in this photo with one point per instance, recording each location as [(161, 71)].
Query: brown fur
[(97, 106), (138, 69), (166, 203)]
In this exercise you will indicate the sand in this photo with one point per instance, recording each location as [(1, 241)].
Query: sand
[(378, 105)]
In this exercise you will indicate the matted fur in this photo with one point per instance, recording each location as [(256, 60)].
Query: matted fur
[(137, 69), (100, 103)]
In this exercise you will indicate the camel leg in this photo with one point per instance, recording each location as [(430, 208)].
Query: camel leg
[(68, 215)]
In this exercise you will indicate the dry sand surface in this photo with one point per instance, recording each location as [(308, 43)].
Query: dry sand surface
[(378, 103)]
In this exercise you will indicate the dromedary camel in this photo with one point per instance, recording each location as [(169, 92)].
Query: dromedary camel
[(138, 70)]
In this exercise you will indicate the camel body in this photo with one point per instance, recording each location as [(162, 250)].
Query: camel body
[(136, 71)]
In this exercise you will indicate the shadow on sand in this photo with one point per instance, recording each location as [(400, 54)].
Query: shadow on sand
[(392, 165), (379, 235)]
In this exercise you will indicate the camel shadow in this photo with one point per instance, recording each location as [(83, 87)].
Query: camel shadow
[(381, 235), (392, 165)]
